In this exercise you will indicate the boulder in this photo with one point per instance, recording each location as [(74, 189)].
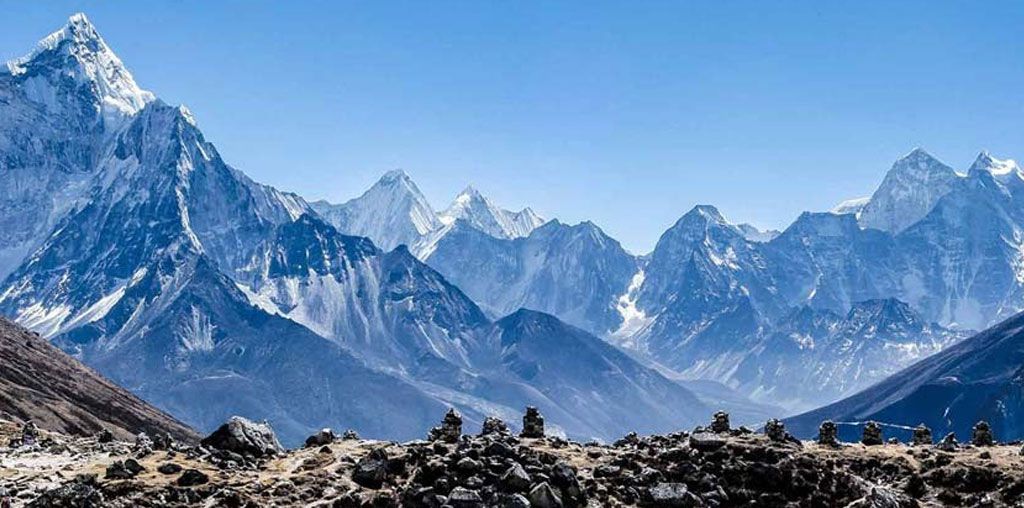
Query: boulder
[(123, 470), (672, 495), (706, 441), (515, 479), (513, 501), (461, 497), (372, 470), (244, 437), (543, 496), (74, 494), (169, 468), (321, 438), (192, 477), (563, 476)]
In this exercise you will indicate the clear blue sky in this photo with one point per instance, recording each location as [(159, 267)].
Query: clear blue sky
[(624, 113)]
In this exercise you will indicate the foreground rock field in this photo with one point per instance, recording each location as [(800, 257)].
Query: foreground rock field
[(242, 465)]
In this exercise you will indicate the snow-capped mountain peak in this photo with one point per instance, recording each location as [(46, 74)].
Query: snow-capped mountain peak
[(392, 212), (853, 206), (1000, 169), (910, 189), (479, 211), (77, 51)]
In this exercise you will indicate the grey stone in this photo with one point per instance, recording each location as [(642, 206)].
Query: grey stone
[(543, 496), (192, 477), (244, 437), (672, 495), (169, 468), (464, 498), (372, 470), (321, 438), (515, 479), (706, 441)]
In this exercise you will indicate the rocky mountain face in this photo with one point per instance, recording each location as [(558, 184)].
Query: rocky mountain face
[(908, 192), (574, 272), (812, 356), (41, 384), (977, 379), (212, 295), (58, 104), (401, 316)]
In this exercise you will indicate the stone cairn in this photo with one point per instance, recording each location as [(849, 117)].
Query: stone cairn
[(104, 436), (981, 434), (828, 434), (143, 445), (948, 443), (720, 422), (450, 430), (163, 442), (29, 434), (922, 436), (533, 423), (775, 430), (872, 434), (493, 426)]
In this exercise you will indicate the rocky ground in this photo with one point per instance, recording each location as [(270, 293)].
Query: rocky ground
[(242, 465)]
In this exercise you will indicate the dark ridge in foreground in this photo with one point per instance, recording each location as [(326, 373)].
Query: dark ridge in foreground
[(241, 464), (40, 383)]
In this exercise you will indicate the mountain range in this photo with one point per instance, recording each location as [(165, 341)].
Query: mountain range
[(713, 300), (209, 294), (133, 245)]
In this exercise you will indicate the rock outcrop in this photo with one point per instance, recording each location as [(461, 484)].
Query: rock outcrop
[(41, 384)]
